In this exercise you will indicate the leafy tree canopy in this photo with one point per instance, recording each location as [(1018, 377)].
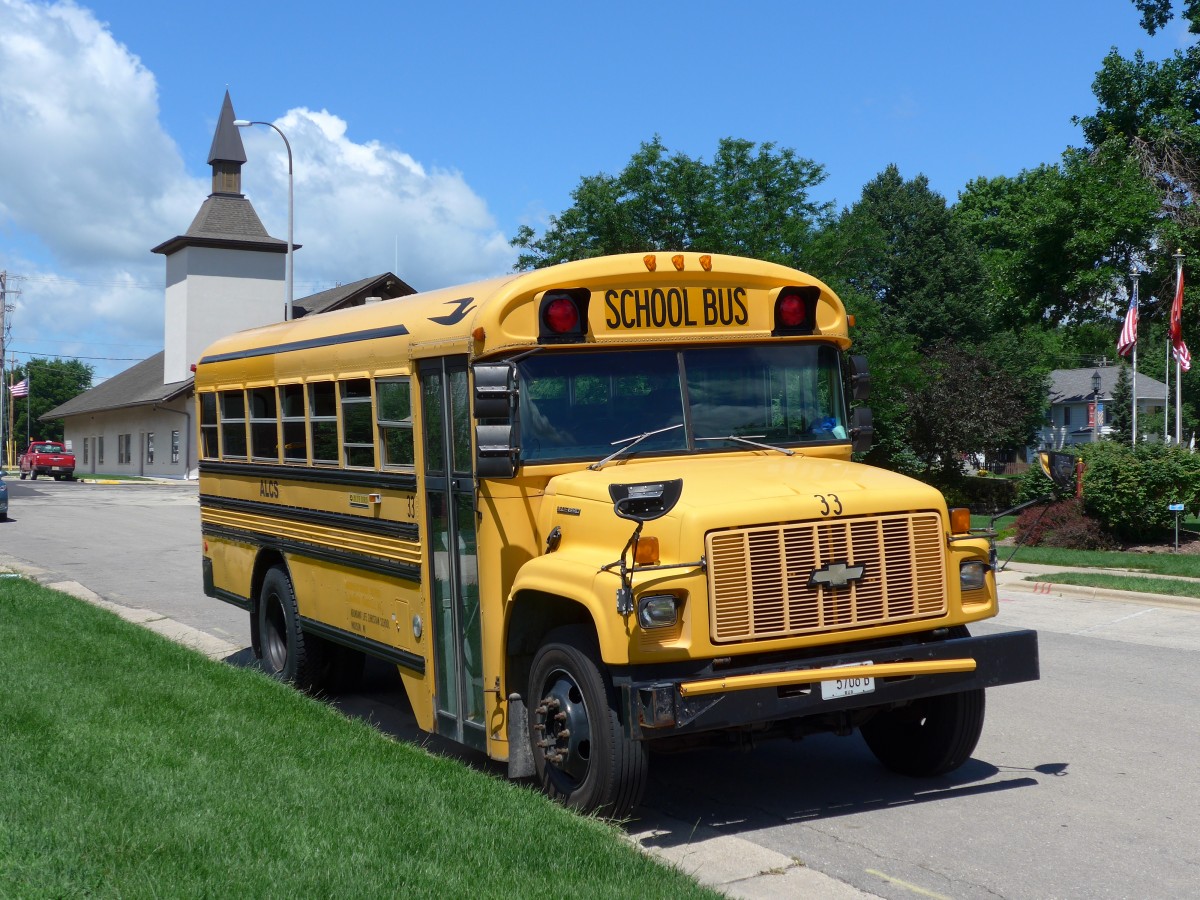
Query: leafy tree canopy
[(900, 245), (52, 383), (751, 200), (1058, 241)]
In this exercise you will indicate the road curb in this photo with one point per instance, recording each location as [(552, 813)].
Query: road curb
[(732, 865), (200, 641), (1055, 589)]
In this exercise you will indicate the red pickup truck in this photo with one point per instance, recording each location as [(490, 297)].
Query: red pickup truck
[(47, 458)]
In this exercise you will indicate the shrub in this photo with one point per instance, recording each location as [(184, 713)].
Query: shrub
[(1034, 483), (1062, 524), (1128, 490)]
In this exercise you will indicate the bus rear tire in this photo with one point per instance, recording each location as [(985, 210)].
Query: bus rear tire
[(288, 654), (581, 755), (928, 737)]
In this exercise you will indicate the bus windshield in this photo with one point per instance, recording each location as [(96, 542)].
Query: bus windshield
[(578, 405)]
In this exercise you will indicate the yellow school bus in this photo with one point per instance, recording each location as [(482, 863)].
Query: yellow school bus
[(594, 509)]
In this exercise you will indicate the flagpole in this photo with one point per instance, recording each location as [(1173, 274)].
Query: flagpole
[(1133, 273), (1178, 370), (1167, 396)]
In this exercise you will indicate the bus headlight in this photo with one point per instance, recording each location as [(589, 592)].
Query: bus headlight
[(657, 611), (972, 575)]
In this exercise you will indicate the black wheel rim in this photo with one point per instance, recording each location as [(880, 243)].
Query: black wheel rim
[(566, 733), (274, 634)]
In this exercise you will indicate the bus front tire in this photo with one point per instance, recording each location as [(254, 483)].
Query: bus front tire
[(581, 754), (288, 654), (928, 737)]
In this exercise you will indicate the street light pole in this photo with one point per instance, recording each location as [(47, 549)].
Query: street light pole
[(1095, 406), (244, 123)]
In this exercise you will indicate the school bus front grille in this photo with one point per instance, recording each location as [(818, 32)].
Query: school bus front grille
[(761, 583)]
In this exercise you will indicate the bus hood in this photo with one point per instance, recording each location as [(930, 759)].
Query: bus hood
[(742, 489)]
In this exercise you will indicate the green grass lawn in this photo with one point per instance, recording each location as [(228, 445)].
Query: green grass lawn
[(1172, 586), (132, 767)]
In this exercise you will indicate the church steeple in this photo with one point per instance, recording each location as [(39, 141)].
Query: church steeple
[(227, 153)]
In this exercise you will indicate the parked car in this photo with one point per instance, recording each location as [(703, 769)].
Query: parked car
[(48, 458), (3, 497)]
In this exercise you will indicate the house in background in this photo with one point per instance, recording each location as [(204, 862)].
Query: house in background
[(1072, 393), (224, 274)]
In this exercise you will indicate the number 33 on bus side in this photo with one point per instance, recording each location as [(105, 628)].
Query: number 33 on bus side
[(830, 504)]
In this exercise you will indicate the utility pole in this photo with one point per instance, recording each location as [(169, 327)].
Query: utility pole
[(5, 399)]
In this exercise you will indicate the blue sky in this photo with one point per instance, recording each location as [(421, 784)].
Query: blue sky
[(425, 134)]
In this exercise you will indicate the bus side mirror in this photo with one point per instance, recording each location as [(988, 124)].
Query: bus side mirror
[(495, 390), (862, 429), (495, 451), (860, 378), (495, 401)]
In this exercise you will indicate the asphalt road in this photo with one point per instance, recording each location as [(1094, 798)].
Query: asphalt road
[(1084, 784)]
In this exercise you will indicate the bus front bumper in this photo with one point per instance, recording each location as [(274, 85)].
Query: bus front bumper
[(708, 701)]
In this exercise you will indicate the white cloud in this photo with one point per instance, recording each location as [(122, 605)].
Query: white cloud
[(90, 181), (356, 203), (84, 163)]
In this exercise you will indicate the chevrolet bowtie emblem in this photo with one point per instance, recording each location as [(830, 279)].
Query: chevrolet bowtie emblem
[(835, 575)]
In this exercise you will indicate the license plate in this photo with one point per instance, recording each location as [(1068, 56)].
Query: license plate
[(847, 687)]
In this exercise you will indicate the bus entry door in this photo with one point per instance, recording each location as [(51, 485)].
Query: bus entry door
[(451, 561)]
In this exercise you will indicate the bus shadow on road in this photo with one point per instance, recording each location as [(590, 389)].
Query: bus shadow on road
[(822, 777)]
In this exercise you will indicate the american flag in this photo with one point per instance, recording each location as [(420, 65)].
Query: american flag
[(20, 389), (1178, 347), (1128, 336)]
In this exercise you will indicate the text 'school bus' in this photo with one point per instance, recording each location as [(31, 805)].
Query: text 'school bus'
[(593, 508)]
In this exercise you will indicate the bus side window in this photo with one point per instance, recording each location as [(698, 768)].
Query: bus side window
[(322, 416), (233, 425), (395, 422), (264, 424), (295, 436), (209, 448), (358, 431)]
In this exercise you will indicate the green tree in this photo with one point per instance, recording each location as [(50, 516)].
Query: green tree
[(1157, 13), (1058, 241), (1118, 412), (972, 399), (751, 200), (900, 245), (52, 382)]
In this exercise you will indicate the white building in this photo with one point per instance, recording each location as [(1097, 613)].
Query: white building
[(1072, 395), (224, 274)]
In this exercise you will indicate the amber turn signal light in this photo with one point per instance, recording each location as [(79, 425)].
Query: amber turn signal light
[(647, 551)]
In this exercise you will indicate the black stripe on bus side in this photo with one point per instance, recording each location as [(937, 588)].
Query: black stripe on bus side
[(372, 648), (405, 531), (329, 341), (407, 571), (396, 481)]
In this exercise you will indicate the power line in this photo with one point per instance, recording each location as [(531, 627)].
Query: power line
[(94, 358)]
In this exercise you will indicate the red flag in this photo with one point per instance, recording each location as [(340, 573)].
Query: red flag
[(1178, 347)]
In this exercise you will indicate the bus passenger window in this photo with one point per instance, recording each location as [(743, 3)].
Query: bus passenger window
[(209, 448), (322, 415), (395, 422), (233, 425), (358, 423), (264, 425), (295, 437)]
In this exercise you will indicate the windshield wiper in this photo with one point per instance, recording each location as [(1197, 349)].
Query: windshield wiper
[(630, 443), (737, 438)]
